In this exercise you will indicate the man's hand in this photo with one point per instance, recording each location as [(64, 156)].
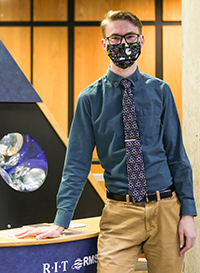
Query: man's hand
[(187, 233), (42, 232)]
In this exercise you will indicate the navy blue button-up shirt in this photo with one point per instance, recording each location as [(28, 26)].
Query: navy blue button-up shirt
[(98, 121)]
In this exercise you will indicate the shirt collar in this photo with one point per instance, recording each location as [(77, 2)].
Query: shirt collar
[(116, 79)]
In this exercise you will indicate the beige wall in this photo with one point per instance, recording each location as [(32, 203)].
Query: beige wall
[(191, 109)]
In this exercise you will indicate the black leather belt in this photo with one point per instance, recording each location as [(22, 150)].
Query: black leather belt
[(167, 192)]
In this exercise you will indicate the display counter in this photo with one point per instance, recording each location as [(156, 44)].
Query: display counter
[(74, 251)]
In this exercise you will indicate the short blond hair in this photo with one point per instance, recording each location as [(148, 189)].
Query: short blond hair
[(120, 15)]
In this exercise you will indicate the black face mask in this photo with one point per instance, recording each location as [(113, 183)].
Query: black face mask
[(124, 55)]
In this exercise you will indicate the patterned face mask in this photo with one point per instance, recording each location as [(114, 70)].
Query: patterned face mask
[(124, 55)]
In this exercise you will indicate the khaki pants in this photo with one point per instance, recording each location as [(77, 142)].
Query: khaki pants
[(126, 229)]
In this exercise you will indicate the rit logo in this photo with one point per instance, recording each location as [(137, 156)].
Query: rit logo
[(56, 267)]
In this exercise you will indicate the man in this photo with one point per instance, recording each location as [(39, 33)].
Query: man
[(148, 176)]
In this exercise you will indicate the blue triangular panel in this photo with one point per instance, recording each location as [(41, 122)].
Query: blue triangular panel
[(14, 86)]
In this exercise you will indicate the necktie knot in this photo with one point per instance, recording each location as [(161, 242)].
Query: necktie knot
[(126, 83)]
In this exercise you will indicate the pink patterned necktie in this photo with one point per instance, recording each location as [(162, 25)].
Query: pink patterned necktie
[(134, 157)]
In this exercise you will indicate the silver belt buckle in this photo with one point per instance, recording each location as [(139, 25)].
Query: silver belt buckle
[(146, 197), (132, 198)]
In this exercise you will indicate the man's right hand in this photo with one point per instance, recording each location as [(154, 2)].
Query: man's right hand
[(42, 232)]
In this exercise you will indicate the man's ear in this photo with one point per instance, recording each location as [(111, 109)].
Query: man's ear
[(103, 44), (142, 40)]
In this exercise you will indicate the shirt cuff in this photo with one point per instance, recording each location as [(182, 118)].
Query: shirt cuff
[(63, 218), (188, 207)]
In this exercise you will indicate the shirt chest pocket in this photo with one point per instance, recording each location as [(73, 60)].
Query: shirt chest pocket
[(149, 123)]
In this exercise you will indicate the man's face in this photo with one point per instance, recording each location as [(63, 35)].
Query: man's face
[(121, 27), (123, 44)]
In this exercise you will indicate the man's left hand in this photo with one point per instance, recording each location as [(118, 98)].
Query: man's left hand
[(187, 233)]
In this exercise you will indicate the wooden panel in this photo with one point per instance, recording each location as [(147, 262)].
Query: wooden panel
[(50, 71), (90, 10), (91, 61), (15, 10), (96, 168), (50, 10), (17, 42), (147, 60), (172, 62), (172, 10)]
